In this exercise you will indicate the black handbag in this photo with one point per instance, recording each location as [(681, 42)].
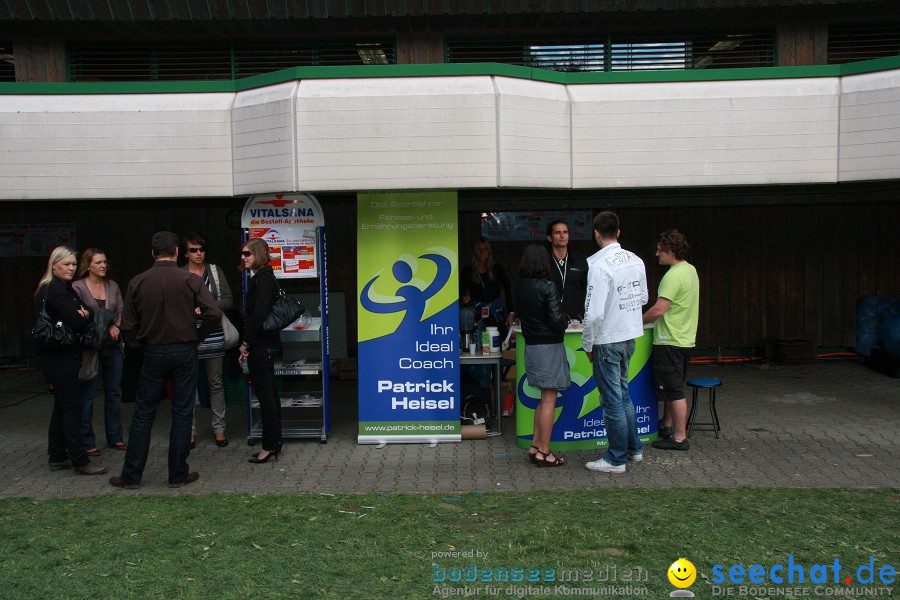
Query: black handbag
[(96, 336), (285, 310), (49, 334), (90, 339)]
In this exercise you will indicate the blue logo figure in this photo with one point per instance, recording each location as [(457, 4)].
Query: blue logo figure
[(571, 400), (413, 299)]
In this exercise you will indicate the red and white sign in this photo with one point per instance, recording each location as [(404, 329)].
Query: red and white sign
[(287, 222)]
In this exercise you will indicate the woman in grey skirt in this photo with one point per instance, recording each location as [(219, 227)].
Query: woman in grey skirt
[(543, 327)]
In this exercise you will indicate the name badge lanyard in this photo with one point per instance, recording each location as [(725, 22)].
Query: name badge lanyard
[(563, 267), (485, 309)]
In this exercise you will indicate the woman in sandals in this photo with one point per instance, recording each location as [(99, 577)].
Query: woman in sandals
[(212, 349), (98, 291), (543, 327)]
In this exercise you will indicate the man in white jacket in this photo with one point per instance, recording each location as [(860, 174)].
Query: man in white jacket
[(616, 293)]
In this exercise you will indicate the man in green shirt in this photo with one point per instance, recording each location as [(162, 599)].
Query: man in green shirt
[(676, 314)]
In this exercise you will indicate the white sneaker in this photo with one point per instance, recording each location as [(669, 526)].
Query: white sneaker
[(604, 467), (639, 457)]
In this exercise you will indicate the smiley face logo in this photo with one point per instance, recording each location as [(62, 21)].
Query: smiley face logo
[(682, 573)]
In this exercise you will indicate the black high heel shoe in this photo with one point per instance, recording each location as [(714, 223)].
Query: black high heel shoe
[(256, 460), (221, 443), (543, 462)]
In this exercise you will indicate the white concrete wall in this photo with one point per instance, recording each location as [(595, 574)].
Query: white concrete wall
[(870, 127), (265, 156), (115, 146), (376, 134), (450, 133), (535, 142), (704, 133)]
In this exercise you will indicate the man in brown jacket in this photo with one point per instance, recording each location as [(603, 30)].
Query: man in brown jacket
[(159, 317)]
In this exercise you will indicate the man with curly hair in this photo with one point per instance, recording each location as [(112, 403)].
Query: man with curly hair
[(676, 314)]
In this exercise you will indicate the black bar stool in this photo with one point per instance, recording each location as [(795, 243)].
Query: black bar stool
[(708, 383)]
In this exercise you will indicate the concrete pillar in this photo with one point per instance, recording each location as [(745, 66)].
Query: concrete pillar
[(801, 44), (39, 59), (423, 48)]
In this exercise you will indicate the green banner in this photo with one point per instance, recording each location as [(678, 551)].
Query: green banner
[(578, 421), (408, 332)]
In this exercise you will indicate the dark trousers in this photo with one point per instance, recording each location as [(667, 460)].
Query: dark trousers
[(64, 436), (262, 376), (162, 362)]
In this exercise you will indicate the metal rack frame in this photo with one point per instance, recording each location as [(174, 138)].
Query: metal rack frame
[(297, 417)]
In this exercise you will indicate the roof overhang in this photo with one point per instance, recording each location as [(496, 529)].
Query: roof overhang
[(165, 19)]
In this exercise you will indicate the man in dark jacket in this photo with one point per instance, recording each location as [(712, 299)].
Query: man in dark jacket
[(159, 316), (569, 272)]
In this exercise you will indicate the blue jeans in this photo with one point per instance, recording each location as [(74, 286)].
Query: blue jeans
[(162, 362), (110, 368), (611, 372)]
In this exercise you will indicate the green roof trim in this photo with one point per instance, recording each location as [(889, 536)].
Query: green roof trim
[(118, 87), (448, 70), (871, 66)]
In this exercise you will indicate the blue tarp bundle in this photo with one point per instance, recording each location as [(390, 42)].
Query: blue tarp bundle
[(877, 325)]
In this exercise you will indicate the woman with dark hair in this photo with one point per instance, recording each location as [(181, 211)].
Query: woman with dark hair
[(258, 346), (212, 349), (97, 291), (60, 365), (543, 327)]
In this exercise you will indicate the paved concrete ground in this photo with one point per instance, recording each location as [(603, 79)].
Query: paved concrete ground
[(832, 424)]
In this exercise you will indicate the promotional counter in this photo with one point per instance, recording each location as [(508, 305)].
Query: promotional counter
[(579, 421)]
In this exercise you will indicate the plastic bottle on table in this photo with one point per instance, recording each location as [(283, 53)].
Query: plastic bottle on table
[(493, 340)]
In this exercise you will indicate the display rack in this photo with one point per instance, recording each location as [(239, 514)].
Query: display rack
[(303, 369)]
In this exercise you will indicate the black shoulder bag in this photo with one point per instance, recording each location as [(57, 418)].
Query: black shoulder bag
[(49, 334), (285, 310)]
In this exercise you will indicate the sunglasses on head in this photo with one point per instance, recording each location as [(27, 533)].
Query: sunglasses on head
[(246, 253), (195, 250)]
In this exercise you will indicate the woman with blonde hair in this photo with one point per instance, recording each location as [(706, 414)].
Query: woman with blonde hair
[(60, 364), (259, 346), (484, 285), (99, 293)]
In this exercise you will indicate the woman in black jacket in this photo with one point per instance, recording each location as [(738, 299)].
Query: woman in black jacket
[(60, 365), (483, 284), (259, 346), (543, 327)]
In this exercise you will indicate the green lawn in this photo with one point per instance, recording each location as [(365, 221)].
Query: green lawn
[(386, 546)]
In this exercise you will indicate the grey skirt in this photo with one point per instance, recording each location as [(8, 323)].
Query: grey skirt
[(546, 367)]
